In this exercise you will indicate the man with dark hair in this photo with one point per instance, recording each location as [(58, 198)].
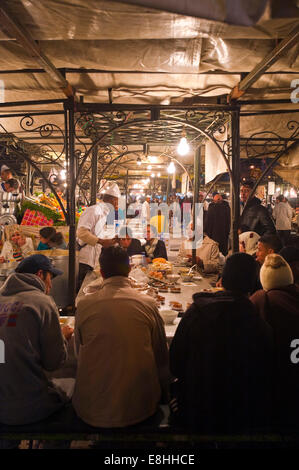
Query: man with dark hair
[(221, 355), (34, 343), (11, 185), (154, 248), (253, 214), (5, 173), (267, 245), (131, 245), (122, 352)]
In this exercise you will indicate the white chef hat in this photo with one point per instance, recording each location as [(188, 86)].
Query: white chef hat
[(3, 168), (111, 189)]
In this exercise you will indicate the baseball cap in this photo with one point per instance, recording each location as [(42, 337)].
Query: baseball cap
[(111, 189), (34, 263)]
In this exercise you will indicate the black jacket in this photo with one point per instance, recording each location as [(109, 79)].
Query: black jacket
[(257, 218), (280, 309), (222, 356), (135, 247), (217, 224), (160, 250)]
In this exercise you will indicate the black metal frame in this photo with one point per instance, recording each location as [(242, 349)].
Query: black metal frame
[(135, 124)]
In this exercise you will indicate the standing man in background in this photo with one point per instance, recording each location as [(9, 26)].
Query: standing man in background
[(218, 222), (282, 213), (146, 211), (255, 216)]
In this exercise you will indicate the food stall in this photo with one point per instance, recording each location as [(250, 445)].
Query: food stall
[(35, 214)]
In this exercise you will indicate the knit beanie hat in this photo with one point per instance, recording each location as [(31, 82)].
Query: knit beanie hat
[(240, 273), (275, 273)]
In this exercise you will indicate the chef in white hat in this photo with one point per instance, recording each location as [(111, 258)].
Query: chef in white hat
[(91, 227), (5, 174)]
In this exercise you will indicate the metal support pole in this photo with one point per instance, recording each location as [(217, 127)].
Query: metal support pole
[(168, 188), (195, 195), (28, 179), (94, 175), (72, 206), (126, 187), (67, 159), (235, 183)]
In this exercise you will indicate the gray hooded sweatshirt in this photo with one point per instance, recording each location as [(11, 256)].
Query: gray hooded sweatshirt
[(33, 343)]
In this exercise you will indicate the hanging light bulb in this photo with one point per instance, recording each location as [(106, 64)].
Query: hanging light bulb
[(153, 175), (149, 167), (63, 174), (183, 147), (171, 168), (159, 174), (139, 161)]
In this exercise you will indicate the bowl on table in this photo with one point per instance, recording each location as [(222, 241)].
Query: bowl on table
[(173, 277), (187, 277), (137, 260), (168, 316), (184, 270)]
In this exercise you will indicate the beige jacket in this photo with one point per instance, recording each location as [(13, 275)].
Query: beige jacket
[(282, 213), (207, 251), (123, 356)]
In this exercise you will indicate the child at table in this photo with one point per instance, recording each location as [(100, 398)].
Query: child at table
[(50, 239)]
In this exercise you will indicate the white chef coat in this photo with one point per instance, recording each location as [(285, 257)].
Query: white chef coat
[(93, 219), (146, 212)]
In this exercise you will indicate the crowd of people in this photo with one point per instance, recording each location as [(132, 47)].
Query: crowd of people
[(231, 366)]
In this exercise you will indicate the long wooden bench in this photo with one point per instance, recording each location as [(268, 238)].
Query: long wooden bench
[(65, 425)]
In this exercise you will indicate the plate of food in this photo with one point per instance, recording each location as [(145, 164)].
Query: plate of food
[(175, 290), (161, 264), (213, 289), (156, 275), (163, 289), (176, 306)]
